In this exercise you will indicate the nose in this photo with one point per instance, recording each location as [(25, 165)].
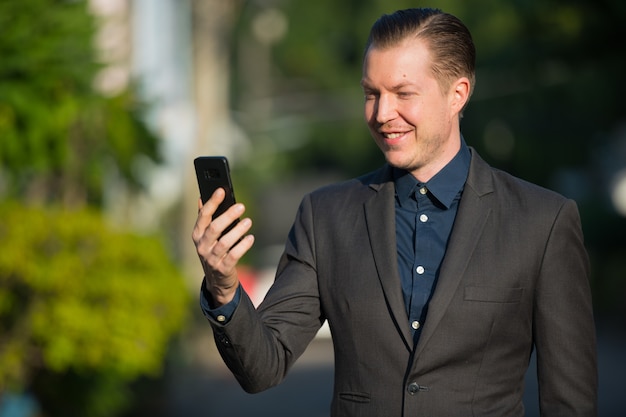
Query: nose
[(385, 109)]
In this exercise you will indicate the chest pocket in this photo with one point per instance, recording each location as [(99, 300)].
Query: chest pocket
[(493, 294)]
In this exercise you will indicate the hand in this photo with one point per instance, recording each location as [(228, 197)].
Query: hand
[(219, 255)]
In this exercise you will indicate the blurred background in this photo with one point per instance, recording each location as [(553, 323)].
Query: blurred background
[(105, 103)]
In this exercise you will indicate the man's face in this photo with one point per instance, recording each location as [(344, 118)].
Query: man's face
[(414, 122)]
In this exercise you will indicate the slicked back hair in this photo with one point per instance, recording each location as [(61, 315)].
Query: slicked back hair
[(447, 38)]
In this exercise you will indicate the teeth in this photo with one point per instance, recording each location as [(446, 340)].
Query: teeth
[(393, 135)]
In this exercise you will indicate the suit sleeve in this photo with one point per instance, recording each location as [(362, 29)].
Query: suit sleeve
[(260, 346), (564, 328)]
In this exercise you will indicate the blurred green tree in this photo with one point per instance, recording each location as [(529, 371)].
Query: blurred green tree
[(84, 309), (58, 135)]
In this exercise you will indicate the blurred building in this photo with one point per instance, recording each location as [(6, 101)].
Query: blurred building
[(175, 53)]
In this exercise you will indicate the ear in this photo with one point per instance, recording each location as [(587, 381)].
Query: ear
[(460, 92)]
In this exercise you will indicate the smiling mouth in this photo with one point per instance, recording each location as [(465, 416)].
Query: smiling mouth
[(392, 135)]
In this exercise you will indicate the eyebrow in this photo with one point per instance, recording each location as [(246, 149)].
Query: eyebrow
[(400, 86), (396, 87)]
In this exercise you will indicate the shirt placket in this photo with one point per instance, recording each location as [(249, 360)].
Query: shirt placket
[(422, 274)]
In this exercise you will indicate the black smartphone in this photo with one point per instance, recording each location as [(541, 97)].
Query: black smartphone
[(212, 173)]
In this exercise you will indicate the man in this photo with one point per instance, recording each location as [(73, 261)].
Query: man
[(438, 275)]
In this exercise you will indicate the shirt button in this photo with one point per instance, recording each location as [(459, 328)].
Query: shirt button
[(415, 325), (423, 190), (423, 218), (419, 270), (221, 318)]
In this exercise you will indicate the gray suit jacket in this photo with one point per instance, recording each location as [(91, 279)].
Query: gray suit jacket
[(514, 278)]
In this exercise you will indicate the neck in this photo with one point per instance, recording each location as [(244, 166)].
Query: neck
[(424, 173)]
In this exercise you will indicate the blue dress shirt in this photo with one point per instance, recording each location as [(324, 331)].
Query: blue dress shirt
[(425, 214), (222, 313)]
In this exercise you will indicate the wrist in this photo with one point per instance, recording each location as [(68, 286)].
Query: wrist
[(220, 295)]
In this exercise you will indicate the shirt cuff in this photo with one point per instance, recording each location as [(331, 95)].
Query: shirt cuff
[(220, 314)]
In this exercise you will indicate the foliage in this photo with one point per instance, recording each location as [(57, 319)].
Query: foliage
[(77, 298), (58, 134), (84, 310)]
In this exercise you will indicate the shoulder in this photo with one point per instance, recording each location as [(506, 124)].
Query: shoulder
[(514, 191), (515, 186), (354, 189)]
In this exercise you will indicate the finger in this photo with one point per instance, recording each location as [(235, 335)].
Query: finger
[(214, 201), (241, 248), (220, 262), (230, 239), (218, 225), (229, 262), (205, 214), (211, 245)]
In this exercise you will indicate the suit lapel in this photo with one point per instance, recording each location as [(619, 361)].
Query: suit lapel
[(381, 225), (474, 210)]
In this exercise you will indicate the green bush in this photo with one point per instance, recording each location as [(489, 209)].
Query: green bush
[(77, 297)]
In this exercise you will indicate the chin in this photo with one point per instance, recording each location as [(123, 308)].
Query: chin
[(396, 159)]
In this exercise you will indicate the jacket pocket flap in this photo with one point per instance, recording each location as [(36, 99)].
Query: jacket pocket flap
[(357, 397)]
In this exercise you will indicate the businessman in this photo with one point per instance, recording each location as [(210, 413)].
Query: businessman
[(438, 275)]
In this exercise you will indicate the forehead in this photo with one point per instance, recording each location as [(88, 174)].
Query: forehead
[(407, 61)]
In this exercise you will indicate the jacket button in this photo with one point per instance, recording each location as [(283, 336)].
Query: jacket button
[(413, 388)]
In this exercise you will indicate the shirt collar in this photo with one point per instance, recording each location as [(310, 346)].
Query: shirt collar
[(444, 186)]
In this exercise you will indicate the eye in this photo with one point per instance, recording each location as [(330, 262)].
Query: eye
[(405, 94), (370, 95)]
